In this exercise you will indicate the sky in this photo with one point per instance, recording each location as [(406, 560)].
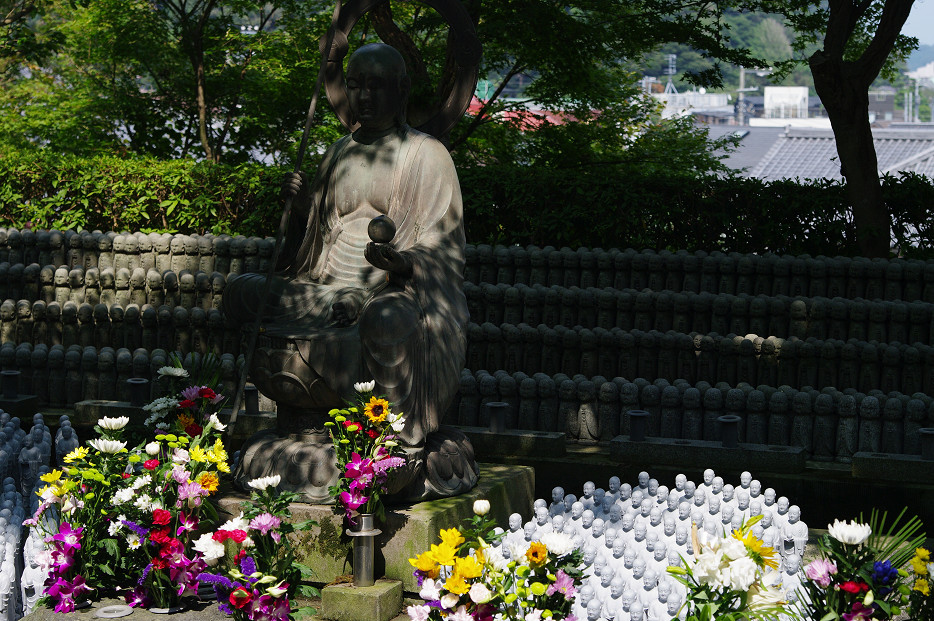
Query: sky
[(920, 23)]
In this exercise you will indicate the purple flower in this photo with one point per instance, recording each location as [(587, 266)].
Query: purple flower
[(563, 584), (359, 468), (62, 560), (388, 463), (191, 492), (64, 593), (138, 597), (859, 612), (136, 528), (247, 565), (352, 500), (226, 609), (271, 608), (142, 576), (265, 522), (69, 538), (819, 572), (276, 536), (187, 523), (191, 393), (216, 580)]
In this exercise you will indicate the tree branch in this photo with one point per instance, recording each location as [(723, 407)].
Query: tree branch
[(481, 114), (894, 15)]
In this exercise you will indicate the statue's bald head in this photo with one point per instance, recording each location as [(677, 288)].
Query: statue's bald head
[(380, 54), (379, 70)]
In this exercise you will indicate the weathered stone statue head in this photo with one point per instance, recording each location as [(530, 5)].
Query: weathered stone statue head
[(377, 87)]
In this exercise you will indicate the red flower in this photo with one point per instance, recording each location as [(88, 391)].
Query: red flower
[(240, 597), (160, 535), (207, 393), (194, 429), (126, 475), (352, 426), (161, 517), (854, 587), (151, 464), (372, 434), (159, 563), (239, 557), (186, 404), (171, 547), (221, 536), (238, 535)]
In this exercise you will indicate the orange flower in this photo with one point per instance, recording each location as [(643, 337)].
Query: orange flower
[(209, 481), (537, 553), (185, 420), (376, 410)]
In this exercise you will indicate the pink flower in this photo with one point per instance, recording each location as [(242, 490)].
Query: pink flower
[(859, 612), (352, 500), (819, 572), (388, 463), (64, 593), (270, 608), (359, 469), (191, 492), (265, 522), (563, 584), (68, 537), (186, 523)]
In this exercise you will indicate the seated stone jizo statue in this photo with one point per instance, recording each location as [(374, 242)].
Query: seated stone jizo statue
[(359, 297)]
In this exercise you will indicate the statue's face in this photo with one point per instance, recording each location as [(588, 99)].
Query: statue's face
[(598, 527), (589, 488), (769, 496), (619, 546), (680, 481), (629, 557), (742, 500), (681, 536), (727, 493), (755, 488), (684, 510), (766, 519), (650, 540), (672, 502), (614, 484), (655, 517), (374, 91), (598, 496), (616, 588), (607, 504), (625, 491), (643, 479), (783, 504), (669, 527), (689, 488), (529, 530), (700, 497), (515, 521), (745, 479), (640, 531), (714, 506), (557, 495), (708, 476), (794, 514), (616, 512), (653, 487), (558, 522), (590, 553), (627, 520), (638, 568), (541, 515), (717, 485), (661, 494)]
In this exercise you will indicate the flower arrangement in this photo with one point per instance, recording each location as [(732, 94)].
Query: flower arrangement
[(366, 448), (465, 578), (264, 575), (75, 517), (858, 574), (123, 519), (730, 577), (920, 602)]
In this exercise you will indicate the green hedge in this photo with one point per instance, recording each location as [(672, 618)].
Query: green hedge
[(605, 207)]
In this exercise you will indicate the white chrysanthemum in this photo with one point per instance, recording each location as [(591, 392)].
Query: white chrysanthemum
[(172, 372), (850, 533), (264, 482), (107, 446), (706, 568), (558, 544), (742, 573), (449, 601), (144, 502), (133, 541), (495, 559), (479, 593), (481, 506), (180, 456), (365, 386), (113, 423), (238, 523), (152, 449), (732, 548), (430, 590), (116, 526), (123, 496), (142, 481), (212, 550), (398, 425), (216, 422)]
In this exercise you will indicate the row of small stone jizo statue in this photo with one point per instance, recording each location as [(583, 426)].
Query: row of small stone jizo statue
[(896, 279), (829, 425)]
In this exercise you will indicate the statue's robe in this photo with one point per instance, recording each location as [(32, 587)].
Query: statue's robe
[(409, 333)]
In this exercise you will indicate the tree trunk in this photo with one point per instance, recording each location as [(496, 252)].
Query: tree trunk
[(845, 95), (197, 63)]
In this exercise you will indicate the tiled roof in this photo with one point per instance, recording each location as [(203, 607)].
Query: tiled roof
[(754, 143), (812, 154)]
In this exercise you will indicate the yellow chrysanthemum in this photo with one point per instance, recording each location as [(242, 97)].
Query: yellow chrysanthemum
[(760, 553), (923, 554), (923, 586), (376, 410), (456, 584), (468, 567), (209, 481), (79, 453), (919, 566), (443, 554), (217, 453), (452, 537), (537, 553), (51, 477), (223, 467), (425, 563), (197, 454), (184, 420)]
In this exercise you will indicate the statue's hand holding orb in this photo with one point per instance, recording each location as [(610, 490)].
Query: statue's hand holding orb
[(380, 253)]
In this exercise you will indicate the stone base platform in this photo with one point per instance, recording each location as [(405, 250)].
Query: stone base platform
[(701, 454), (893, 467), (345, 602), (87, 413), (408, 530), (23, 406)]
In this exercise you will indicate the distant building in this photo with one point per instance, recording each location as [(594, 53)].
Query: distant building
[(790, 153)]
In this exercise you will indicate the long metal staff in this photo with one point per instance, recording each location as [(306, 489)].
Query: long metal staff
[(283, 223)]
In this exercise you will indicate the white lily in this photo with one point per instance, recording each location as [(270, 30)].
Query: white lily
[(113, 423)]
